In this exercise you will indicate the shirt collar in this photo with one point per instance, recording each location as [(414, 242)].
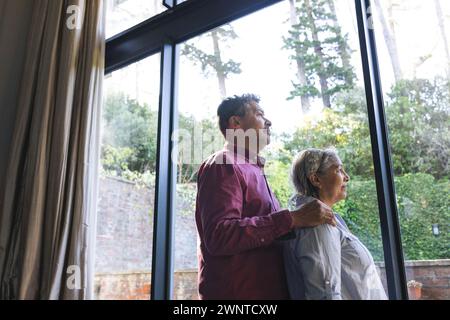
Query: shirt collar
[(248, 156)]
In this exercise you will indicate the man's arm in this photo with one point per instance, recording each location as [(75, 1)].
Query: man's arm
[(226, 232)]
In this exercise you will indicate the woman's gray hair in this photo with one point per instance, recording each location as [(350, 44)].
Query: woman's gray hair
[(307, 163)]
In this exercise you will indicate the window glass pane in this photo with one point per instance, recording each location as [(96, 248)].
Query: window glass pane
[(127, 182), (302, 58), (413, 48), (124, 14)]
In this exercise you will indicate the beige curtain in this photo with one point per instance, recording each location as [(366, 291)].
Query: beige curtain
[(47, 209)]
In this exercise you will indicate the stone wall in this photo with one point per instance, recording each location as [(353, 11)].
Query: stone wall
[(125, 227)]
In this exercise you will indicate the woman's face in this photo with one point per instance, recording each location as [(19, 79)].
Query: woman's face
[(332, 184)]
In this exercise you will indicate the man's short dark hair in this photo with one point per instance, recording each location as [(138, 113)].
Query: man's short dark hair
[(234, 106)]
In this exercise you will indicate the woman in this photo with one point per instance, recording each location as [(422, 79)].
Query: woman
[(327, 262)]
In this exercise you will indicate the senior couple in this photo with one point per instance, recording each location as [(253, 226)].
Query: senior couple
[(250, 248)]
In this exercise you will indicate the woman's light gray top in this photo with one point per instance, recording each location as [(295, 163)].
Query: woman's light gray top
[(330, 263)]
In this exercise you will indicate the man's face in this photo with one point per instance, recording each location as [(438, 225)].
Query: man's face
[(255, 119)]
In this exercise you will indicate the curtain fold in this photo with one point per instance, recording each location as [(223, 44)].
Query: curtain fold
[(48, 208)]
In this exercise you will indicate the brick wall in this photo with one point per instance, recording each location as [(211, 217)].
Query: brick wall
[(434, 275), (122, 286), (136, 286)]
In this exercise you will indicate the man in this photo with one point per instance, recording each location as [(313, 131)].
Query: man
[(237, 215)]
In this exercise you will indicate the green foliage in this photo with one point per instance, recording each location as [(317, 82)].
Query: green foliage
[(418, 118), (278, 178), (347, 133), (129, 135), (418, 113), (117, 159), (185, 199), (422, 201), (130, 140), (196, 141)]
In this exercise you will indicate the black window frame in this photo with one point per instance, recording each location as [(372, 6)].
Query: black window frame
[(161, 34)]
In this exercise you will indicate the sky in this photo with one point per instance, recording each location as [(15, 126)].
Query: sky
[(266, 69)]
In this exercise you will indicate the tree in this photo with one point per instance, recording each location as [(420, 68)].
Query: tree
[(344, 50), (129, 145), (298, 58), (348, 133), (389, 38), (129, 135), (320, 50), (441, 22), (418, 117), (213, 60), (196, 140)]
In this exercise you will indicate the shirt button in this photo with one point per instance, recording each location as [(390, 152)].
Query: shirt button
[(327, 282), (262, 240)]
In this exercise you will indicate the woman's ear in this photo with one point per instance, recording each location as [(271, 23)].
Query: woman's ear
[(234, 122), (314, 179)]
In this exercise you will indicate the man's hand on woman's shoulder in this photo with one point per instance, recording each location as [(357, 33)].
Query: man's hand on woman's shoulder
[(312, 214)]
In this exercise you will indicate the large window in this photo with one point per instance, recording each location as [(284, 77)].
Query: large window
[(413, 41), (127, 182), (302, 57), (312, 100)]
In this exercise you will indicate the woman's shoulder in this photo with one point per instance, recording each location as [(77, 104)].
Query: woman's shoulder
[(298, 200), (323, 232)]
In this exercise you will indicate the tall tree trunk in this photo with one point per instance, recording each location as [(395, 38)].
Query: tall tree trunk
[(441, 23), (342, 49), (219, 71), (318, 50), (391, 21), (390, 42), (301, 73)]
